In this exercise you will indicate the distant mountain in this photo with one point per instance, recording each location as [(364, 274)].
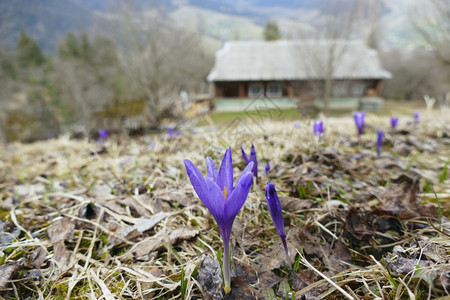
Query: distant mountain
[(46, 21)]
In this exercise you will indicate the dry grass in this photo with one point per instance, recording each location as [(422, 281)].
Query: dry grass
[(120, 220)]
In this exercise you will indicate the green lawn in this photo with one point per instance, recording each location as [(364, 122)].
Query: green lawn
[(224, 117), (389, 108)]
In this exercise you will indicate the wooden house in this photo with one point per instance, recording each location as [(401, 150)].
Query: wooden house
[(296, 71)]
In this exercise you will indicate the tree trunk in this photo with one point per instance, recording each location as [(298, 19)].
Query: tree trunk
[(327, 94)]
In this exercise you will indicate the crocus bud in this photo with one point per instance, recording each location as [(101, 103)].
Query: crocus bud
[(267, 168), (251, 159), (318, 128), (394, 122), (379, 141), (359, 121), (103, 134), (171, 133), (416, 117), (273, 202)]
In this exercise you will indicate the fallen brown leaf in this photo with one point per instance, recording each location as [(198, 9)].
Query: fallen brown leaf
[(141, 250)]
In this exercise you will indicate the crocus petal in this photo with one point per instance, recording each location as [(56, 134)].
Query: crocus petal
[(248, 169), (273, 203), (212, 169), (225, 176), (238, 196), (255, 162), (244, 155), (216, 202), (267, 168), (198, 182), (253, 153)]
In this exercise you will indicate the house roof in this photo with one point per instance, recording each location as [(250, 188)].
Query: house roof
[(296, 60)]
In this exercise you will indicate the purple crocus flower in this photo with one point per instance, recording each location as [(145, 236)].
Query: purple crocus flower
[(252, 159), (103, 134), (297, 125), (380, 134), (318, 128), (359, 156), (273, 202), (359, 121), (267, 168), (394, 122), (416, 117), (224, 201), (170, 131)]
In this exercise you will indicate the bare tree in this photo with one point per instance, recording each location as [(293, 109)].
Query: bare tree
[(159, 59), (415, 74), (342, 22), (431, 19), (85, 74)]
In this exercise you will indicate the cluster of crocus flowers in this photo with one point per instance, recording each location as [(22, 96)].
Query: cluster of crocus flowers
[(223, 200), (380, 134), (172, 133), (273, 202), (251, 159), (394, 122), (318, 128)]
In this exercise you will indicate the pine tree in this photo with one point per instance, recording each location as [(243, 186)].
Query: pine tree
[(85, 48), (70, 48), (28, 52), (271, 31)]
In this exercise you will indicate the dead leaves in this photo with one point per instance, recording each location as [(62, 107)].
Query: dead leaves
[(144, 249), (143, 225), (8, 232), (210, 279), (400, 200), (59, 232), (423, 258), (127, 219), (7, 272), (295, 205)]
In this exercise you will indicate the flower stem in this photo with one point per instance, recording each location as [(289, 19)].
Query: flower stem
[(287, 252), (226, 267)]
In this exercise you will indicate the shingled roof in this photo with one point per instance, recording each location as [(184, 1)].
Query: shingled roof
[(295, 60)]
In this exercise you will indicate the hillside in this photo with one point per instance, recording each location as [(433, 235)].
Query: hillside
[(48, 20)]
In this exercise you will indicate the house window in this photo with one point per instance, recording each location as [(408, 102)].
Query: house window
[(339, 89), (256, 90), (274, 90), (358, 89)]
